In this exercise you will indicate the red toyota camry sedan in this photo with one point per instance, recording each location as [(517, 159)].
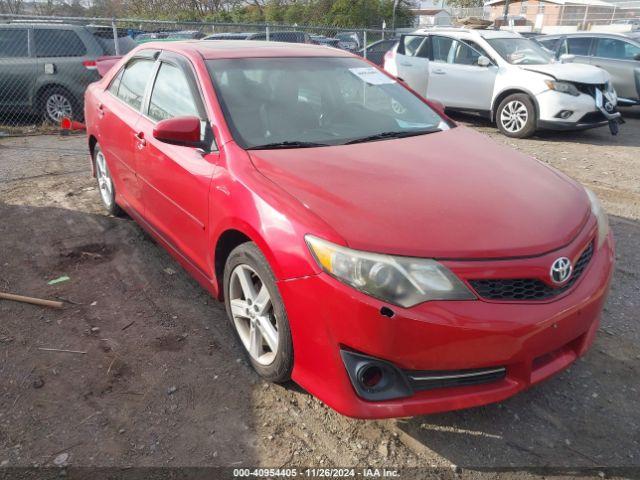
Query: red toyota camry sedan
[(389, 261)]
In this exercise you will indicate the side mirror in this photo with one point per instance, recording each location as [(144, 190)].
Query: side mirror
[(183, 131), (637, 57), (567, 58), (483, 61)]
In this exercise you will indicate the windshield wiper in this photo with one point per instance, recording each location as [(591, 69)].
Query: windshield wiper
[(287, 144), (385, 135)]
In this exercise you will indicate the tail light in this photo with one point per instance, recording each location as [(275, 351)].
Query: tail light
[(89, 64)]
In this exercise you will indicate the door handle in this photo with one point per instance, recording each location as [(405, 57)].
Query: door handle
[(439, 72), (141, 141), (406, 64)]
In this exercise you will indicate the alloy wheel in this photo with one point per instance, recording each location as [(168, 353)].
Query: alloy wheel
[(253, 314), (58, 106), (104, 179), (514, 116)]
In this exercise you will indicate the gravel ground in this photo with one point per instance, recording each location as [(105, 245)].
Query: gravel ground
[(163, 383)]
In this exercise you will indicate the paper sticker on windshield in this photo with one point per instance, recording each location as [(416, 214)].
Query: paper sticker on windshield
[(371, 75)]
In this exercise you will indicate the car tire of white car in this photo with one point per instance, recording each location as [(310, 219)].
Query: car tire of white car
[(257, 313), (106, 187), (516, 116)]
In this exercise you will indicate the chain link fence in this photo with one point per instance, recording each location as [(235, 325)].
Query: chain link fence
[(47, 62)]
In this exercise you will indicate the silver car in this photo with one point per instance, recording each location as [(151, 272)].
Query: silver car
[(617, 53)]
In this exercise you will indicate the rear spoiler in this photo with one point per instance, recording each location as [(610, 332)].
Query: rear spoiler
[(104, 63)]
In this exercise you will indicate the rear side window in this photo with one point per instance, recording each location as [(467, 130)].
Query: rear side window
[(134, 81), (13, 43), (58, 43), (578, 46), (171, 95), (616, 49), (549, 44), (125, 44)]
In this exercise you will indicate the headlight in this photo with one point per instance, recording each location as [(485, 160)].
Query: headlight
[(562, 87), (601, 216), (402, 281)]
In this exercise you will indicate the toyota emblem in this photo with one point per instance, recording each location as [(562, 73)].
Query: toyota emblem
[(561, 270)]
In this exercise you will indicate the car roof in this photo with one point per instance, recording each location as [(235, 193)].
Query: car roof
[(248, 49), (593, 34), (476, 32)]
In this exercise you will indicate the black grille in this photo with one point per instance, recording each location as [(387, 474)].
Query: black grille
[(592, 117), (427, 380), (589, 88), (529, 288)]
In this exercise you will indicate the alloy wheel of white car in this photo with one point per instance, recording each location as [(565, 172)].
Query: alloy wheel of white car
[(514, 116), (253, 314)]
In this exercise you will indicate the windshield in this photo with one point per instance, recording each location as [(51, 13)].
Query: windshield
[(520, 51), (297, 102)]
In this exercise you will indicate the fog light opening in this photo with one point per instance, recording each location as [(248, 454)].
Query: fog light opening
[(370, 376), (564, 114)]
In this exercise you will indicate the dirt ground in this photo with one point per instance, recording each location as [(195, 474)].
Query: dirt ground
[(163, 383)]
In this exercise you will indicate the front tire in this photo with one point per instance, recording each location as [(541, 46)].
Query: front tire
[(105, 183), (257, 313), (516, 116)]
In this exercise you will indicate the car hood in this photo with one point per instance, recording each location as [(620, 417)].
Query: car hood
[(571, 72), (452, 194)]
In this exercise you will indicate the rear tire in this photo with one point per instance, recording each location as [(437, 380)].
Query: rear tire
[(257, 314), (516, 116), (57, 103), (105, 183)]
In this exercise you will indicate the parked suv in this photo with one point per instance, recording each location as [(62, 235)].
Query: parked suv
[(506, 77), (45, 68), (618, 54)]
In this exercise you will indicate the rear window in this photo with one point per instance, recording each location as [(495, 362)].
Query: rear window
[(13, 43), (58, 43), (126, 44)]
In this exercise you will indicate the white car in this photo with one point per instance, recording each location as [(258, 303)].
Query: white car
[(510, 79)]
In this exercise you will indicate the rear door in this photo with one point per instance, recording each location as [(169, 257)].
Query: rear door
[(621, 59), (17, 68), (456, 79), (118, 113), (412, 61), (175, 179)]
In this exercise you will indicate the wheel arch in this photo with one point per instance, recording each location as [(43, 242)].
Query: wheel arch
[(93, 141), (511, 91)]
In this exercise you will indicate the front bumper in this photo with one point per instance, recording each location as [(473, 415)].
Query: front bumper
[(531, 340), (585, 111)]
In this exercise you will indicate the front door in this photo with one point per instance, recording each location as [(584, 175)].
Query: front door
[(622, 60), (456, 79), (175, 179)]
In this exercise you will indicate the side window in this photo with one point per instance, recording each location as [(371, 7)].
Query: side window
[(617, 49), (549, 44), (134, 80), (440, 47), (578, 45), (115, 82), (467, 52), (58, 43), (13, 43), (171, 95), (412, 44)]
